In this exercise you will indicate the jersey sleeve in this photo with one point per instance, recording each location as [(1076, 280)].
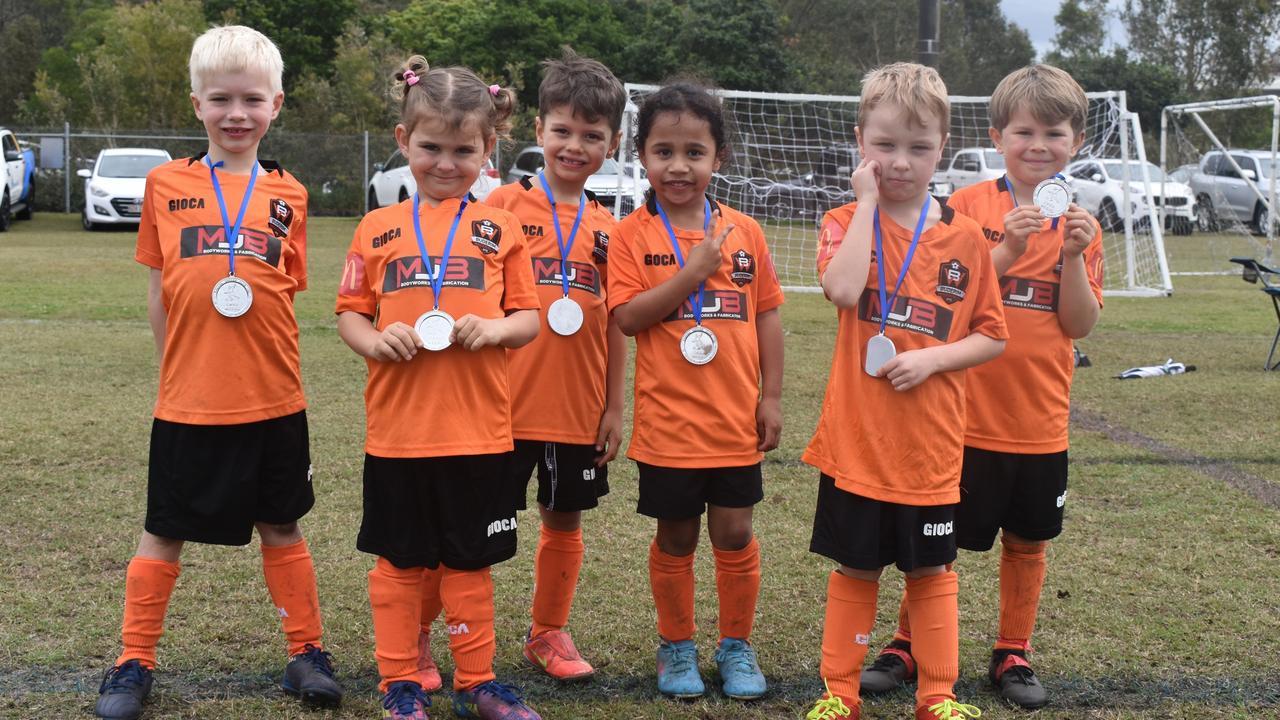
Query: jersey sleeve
[(355, 294), (769, 292), (1094, 265), (296, 267), (498, 198), (518, 289), (147, 250), (829, 239), (988, 309), (625, 281)]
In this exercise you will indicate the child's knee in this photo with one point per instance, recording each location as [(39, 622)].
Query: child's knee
[(279, 533)]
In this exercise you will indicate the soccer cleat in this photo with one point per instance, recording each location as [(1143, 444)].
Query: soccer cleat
[(678, 670), (739, 670), (554, 653), (492, 701), (428, 671), (892, 667), (832, 707), (123, 689), (405, 701), (309, 677), (946, 709), (1016, 681)]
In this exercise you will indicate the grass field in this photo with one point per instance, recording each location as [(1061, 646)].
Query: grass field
[(1162, 598)]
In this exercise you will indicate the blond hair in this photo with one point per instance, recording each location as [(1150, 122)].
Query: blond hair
[(455, 95), (913, 87), (1048, 93), (234, 49)]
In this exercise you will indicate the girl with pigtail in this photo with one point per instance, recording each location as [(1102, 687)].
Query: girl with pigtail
[(433, 292)]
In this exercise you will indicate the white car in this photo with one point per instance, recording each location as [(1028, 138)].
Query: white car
[(1098, 187), (113, 188), (607, 183), (392, 182), (970, 166)]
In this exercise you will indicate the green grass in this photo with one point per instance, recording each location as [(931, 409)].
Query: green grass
[(1161, 598)]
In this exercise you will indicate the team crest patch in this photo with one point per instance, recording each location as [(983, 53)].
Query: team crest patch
[(744, 268), (281, 217), (953, 280), (486, 235), (601, 251)]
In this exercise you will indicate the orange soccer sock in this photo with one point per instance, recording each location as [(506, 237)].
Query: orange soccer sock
[(903, 633), (291, 580), (738, 585), (671, 579), (395, 596), (555, 577), (846, 631), (1022, 570), (468, 610), (935, 644), (147, 586), (431, 605)]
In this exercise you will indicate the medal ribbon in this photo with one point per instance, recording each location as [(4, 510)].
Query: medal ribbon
[(231, 234), (675, 244), (436, 273), (555, 218), (887, 305), (1009, 184)]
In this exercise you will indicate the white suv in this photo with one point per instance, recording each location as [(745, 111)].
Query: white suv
[(392, 182), (1099, 188), (113, 189)]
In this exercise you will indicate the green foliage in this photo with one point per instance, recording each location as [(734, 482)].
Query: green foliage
[(306, 31), (1149, 87), (1082, 31), (355, 96), (980, 46)]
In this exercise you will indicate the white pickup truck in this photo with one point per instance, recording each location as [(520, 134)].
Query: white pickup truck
[(18, 195), (972, 165)]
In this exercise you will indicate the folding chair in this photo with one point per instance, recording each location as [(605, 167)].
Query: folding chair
[(1255, 272)]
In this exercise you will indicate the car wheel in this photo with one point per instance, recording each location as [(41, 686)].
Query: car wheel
[(1181, 226), (404, 194), (26, 212), (1208, 217), (86, 222), (373, 199), (6, 219), (1108, 216), (1261, 218)]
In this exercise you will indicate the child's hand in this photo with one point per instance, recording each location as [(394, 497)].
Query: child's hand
[(1019, 224), (705, 257), (472, 332), (608, 436), (768, 424), (866, 181), (909, 369), (396, 342), (1080, 231)]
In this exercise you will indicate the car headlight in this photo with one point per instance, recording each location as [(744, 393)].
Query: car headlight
[(97, 191)]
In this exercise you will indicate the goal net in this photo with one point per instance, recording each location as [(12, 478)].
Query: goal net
[(1226, 152), (792, 156)]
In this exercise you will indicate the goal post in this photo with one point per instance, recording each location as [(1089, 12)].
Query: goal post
[(791, 156)]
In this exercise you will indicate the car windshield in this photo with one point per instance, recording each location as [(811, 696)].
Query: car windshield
[(995, 160), (1117, 170), (610, 167), (128, 166)]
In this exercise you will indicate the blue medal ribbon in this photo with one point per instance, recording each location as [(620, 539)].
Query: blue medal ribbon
[(436, 273), (555, 219), (887, 304), (231, 234), (1009, 184), (695, 300)]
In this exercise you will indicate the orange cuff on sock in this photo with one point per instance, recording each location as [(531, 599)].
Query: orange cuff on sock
[(147, 587), (671, 579), (555, 577), (846, 633), (291, 580), (935, 634), (738, 585), (395, 596), (1022, 572), (468, 610)]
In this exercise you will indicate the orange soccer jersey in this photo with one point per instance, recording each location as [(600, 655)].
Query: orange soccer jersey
[(905, 447), (454, 401), (218, 370), (1020, 402), (559, 381), (685, 415)]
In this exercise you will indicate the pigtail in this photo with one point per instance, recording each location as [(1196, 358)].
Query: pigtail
[(411, 72), (504, 106)]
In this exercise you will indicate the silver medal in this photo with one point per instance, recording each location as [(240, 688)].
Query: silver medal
[(434, 328), (880, 350), (1053, 197), (565, 316), (232, 297), (698, 345)]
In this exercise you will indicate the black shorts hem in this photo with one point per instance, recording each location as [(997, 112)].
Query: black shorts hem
[(685, 493), (207, 537), (408, 562)]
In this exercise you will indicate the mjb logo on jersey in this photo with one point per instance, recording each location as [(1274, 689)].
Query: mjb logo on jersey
[(953, 280), (1029, 294), (486, 235), (908, 313), (716, 305), (212, 240), (281, 217), (744, 268), (583, 276), (406, 272)]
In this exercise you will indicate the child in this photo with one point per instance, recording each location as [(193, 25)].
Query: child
[(437, 403), (702, 304), (1015, 456), (229, 448), (889, 440), (567, 419)]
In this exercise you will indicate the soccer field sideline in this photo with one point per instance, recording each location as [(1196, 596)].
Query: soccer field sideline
[(80, 375)]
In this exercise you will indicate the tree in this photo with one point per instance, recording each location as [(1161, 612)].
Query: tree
[(980, 46), (306, 31), (1082, 31), (355, 98), (1148, 87)]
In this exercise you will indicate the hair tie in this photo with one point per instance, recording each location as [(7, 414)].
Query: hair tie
[(410, 78), (494, 90)]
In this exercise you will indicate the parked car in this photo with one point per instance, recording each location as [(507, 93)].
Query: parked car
[(972, 165), (1098, 186), (607, 184), (17, 197), (113, 189), (393, 182), (1224, 195)]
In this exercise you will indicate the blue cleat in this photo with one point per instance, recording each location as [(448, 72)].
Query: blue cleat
[(739, 670), (678, 670), (492, 701), (123, 690), (405, 701)]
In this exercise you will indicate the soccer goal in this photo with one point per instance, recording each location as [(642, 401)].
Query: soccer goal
[(1225, 150), (792, 156)]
